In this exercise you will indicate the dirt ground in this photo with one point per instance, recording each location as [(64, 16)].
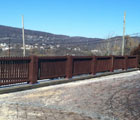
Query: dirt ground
[(114, 97)]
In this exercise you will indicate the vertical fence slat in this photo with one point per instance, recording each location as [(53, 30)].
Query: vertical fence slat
[(2, 71)]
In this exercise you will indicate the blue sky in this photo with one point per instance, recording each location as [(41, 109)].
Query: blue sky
[(89, 18)]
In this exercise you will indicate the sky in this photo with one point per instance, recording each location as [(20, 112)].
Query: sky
[(88, 18)]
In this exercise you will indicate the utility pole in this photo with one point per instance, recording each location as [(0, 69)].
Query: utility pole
[(123, 41), (23, 36)]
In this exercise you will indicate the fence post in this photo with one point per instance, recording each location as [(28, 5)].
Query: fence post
[(33, 69), (69, 67), (125, 64), (93, 65), (112, 63), (137, 61)]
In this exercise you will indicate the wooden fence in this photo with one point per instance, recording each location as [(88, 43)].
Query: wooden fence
[(33, 68)]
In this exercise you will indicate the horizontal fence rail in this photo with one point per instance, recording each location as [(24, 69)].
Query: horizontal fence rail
[(34, 68)]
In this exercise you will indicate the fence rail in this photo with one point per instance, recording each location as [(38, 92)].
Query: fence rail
[(33, 68)]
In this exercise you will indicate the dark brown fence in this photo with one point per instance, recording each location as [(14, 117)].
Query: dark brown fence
[(30, 69), (14, 70), (103, 64), (119, 62), (131, 62), (79, 63), (50, 67)]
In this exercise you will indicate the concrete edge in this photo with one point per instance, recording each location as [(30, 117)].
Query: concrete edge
[(56, 82)]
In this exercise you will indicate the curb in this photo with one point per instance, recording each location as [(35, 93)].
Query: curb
[(56, 82)]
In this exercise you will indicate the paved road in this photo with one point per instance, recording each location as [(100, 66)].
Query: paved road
[(114, 97)]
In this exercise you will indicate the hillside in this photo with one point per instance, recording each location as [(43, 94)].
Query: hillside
[(32, 37)]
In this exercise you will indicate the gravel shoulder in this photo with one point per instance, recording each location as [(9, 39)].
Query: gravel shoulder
[(114, 97)]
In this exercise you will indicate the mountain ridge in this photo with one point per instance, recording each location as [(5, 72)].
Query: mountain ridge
[(16, 33)]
